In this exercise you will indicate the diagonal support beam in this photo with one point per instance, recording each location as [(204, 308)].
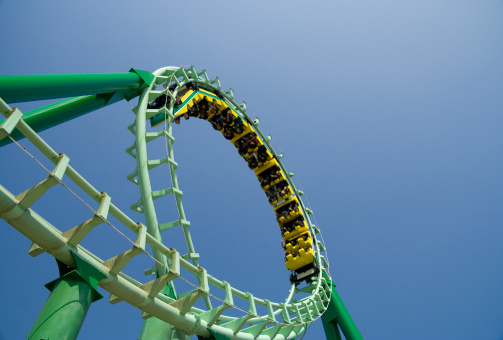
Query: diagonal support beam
[(211, 316), (117, 263), (14, 116), (184, 304), (236, 325), (30, 196), (154, 287), (77, 234)]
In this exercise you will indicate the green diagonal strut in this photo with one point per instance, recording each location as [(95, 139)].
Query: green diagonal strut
[(94, 91)]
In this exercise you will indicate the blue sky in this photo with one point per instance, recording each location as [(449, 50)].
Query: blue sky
[(389, 113)]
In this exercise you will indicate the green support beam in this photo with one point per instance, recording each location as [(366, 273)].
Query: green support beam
[(336, 316), (25, 88), (64, 312), (54, 114), (71, 295), (154, 328)]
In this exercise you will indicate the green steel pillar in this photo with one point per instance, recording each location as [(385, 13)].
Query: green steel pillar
[(65, 310), (336, 316), (156, 329), (71, 295)]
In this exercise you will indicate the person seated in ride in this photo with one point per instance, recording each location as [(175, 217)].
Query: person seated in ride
[(186, 115), (194, 86), (283, 230), (172, 87), (253, 141), (262, 154), (161, 101), (243, 149), (203, 114), (281, 188), (266, 180), (286, 255), (252, 161), (203, 106), (193, 111), (227, 115), (238, 129), (238, 124), (228, 134), (274, 197), (177, 120), (250, 143), (213, 108), (298, 222), (217, 122), (218, 94), (282, 213), (291, 208)]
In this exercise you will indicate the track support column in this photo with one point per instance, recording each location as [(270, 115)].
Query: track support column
[(156, 329), (65, 309), (337, 316)]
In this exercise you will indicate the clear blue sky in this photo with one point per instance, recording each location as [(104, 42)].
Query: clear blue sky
[(388, 112)]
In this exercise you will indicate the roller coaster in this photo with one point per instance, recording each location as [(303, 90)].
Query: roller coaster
[(166, 97)]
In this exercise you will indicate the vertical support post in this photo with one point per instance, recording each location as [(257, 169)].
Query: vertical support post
[(337, 315), (156, 329), (64, 311)]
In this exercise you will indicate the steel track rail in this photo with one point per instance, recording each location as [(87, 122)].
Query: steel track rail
[(295, 316)]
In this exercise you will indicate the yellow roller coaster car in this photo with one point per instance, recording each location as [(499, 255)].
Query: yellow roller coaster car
[(269, 174), (278, 192), (193, 101), (300, 259), (300, 241), (291, 229), (247, 129), (288, 210)]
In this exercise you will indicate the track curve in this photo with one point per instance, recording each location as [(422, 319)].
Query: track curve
[(167, 105), (285, 320)]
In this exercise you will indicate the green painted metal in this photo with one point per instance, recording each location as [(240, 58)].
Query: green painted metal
[(65, 309), (336, 316), (155, 329), (108, 89), (214, 336), (344, 320), (286, 320), (58, 113), (24, 88), (306, 310)]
